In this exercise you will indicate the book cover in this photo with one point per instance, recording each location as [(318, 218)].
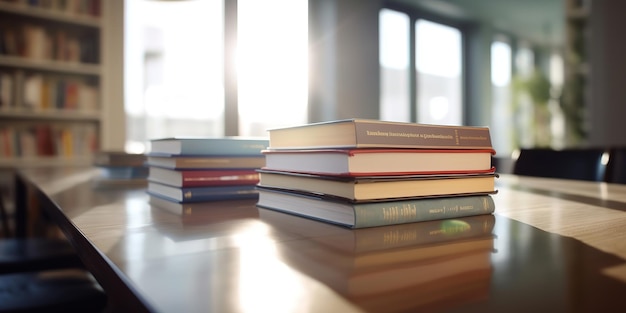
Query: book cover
[(200, 194), (371, 162), (206, 162), (365, 133), (199, 178), (369, 188), (226, 146), (371, 214)]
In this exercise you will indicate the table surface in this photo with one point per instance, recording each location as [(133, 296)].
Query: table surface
[(552, 245)]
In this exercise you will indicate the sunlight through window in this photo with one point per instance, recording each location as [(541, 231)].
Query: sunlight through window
[(174, 68), (394, 66), (438, 57), (272, 64)]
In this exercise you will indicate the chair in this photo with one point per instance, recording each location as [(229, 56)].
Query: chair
[(44, 275), (580, 164), (616, 167)]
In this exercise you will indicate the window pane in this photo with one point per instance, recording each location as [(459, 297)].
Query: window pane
[(394, 66), (272, 64), (173, 70), (438, 56), (502, 116)]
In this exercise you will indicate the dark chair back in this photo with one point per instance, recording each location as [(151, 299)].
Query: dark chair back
[(581, 164), (616, 167)]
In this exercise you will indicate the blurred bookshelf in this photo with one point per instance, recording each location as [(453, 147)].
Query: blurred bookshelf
[(50, 82)]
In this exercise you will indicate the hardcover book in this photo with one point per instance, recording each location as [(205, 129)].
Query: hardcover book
[(206, 162), (200, 194), (368, 188), (200, 178), (364, 133), (370, 214), (371, 162), (119, 159), (225, 146)]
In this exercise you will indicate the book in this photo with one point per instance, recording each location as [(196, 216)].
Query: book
[(119, 159), (371, 162), (365, 133), (365, 242), (206, 162), (225, 146), (199, 178), (371, 214), (368, 188), (200, 194)]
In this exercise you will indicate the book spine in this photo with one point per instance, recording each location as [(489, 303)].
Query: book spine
[(200, 178), (376, 134), (400, 212)]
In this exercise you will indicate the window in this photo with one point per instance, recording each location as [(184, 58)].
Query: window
[(421, 70), (438, 52), (395, 102), (174, 68)]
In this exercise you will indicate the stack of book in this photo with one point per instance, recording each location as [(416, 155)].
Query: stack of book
[(120, 168), (363, 173), (184, 171)]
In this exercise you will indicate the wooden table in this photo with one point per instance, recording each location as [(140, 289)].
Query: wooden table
[(556, 246)]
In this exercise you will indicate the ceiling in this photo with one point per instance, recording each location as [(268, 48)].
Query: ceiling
[(539, 21)]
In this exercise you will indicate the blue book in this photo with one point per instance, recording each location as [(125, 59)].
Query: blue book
[(201, 194), (190, 146)]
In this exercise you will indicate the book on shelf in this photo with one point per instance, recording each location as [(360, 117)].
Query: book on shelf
[(200, 194), (362, 242), (372, 162), (199, 177), (48, 92), (7, 92), (368, 188), (224, 146), (371, 214), (365, 133), (206, 162)]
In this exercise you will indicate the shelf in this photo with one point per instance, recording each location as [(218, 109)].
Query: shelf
[(52, 62), (51, 66), (51, 15), (56, 115)]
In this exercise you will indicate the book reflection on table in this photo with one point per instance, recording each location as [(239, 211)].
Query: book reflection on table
[(223, 212), (427, 265)]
